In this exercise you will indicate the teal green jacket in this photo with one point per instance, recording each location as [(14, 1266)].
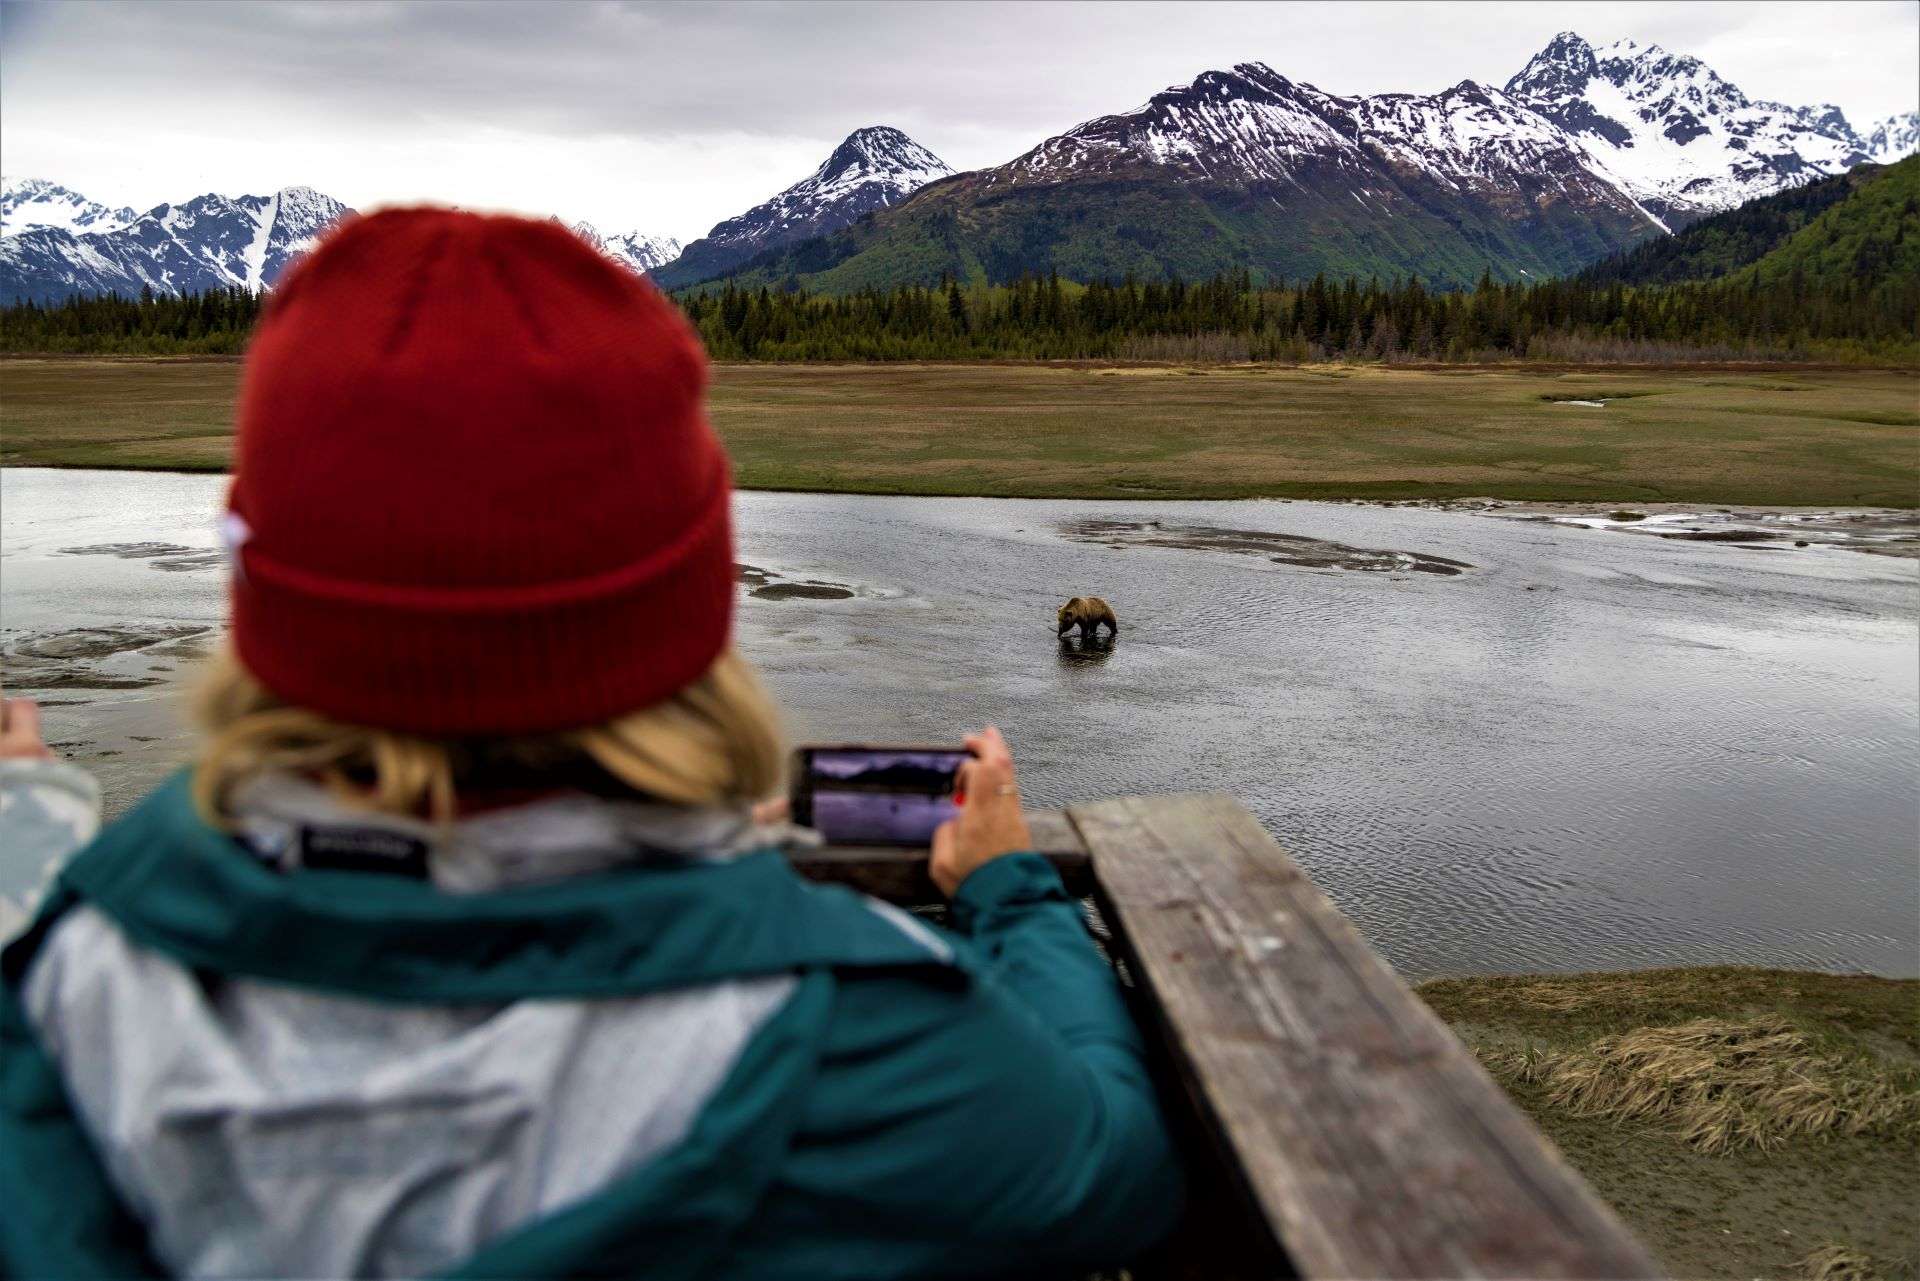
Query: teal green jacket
[(974, 1105)]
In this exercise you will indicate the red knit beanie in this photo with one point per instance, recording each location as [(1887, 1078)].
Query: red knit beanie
[(475, 492)]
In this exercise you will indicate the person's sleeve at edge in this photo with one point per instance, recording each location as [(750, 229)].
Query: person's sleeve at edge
[(1125, 1190), (49, 810)]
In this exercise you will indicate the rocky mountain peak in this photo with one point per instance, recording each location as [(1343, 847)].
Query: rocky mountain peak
[(1247, 123), (26, 203), (872, 167), (1563, 67), (879, 150), (1249, 79), (1675, 135)]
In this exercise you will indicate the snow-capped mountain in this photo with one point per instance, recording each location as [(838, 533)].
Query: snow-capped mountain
[(873, 168), (1252, 124), (635, 249), (210, 242), (1675, 135), (1248, 168), (34, 202), (1894, 138), (1583, 153)]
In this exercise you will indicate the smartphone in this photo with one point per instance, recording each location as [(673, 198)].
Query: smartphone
[(856, 795)]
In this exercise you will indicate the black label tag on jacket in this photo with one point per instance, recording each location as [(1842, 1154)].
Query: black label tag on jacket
[(363, 849)]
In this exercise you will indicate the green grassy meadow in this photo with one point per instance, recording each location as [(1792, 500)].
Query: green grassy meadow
[(1733, 435)]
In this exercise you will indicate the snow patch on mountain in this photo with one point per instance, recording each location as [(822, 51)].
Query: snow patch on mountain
[(254, 258), (26, 203), (1674, 134), (1474, 137)]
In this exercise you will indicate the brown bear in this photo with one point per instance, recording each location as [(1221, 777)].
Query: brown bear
[(1089, 614)]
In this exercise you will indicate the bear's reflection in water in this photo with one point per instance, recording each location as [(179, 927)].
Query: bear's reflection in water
[(1083, 650)]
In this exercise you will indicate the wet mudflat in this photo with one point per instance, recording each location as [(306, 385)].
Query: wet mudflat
[(1297, 550), (1579, 748)]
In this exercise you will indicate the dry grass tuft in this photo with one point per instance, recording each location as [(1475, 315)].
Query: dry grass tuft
[(1722, 1084), (1835, 1262)]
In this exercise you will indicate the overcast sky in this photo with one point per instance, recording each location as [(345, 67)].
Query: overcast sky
[(666, 118)]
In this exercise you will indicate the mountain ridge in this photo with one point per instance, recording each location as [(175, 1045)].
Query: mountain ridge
[(209, 242), (1248, 168), (1581, 154), (636, 250), (1584, 152), (75, 246)]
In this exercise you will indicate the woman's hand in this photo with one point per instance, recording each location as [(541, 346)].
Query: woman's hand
[(20, 731), (990, 822)]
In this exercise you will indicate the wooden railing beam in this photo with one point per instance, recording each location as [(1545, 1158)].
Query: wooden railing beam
[(1371, 1140)]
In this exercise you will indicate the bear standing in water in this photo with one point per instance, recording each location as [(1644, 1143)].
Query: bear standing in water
[(1089, 614)]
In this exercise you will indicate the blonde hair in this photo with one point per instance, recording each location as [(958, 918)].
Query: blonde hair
[(716, 742)]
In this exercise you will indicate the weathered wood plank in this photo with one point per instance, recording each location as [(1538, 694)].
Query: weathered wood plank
[(899, 875), (1369, 1138)]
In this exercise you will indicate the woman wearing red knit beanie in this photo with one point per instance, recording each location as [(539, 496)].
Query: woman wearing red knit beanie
[(459, 948)]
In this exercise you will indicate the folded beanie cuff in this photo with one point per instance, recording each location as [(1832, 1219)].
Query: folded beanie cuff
[(440, 672), (492, 598)]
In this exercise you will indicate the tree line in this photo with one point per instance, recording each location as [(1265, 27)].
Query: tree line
[(216, 322), (1230, 317)]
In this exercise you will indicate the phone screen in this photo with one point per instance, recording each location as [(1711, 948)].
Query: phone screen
[(876, 795)]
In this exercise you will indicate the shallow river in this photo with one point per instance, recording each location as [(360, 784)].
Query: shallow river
[(1591, 749)]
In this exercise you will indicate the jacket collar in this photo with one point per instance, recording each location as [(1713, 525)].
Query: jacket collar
[(289, 822), (178, 886)]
